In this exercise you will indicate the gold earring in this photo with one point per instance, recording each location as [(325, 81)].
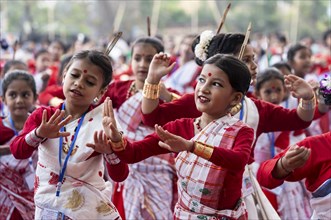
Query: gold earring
[(235, 109)]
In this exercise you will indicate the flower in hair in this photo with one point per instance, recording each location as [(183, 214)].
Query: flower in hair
[(325, 85), (201, 49)]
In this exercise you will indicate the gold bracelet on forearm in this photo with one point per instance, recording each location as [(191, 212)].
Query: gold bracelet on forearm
[(118, 146), (308, 105), (202, 150), (151, 91)]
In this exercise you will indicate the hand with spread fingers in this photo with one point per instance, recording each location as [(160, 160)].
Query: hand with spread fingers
[(159, 67), (101, 143), (299, 87), (109, 122), (51, 128), (172, 142)]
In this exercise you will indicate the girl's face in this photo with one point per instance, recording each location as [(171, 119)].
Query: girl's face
[(301, 63), (214, 94), (19, 98), (272, 91), (82, 83), (43, 62), (249, 59), (141, 59)]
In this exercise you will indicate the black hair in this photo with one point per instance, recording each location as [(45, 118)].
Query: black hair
[(97, 58), (326, 34), (293, 50), (236, 70), (282, 64), (229, 43), (63, 63), (153, 41), (10, 63), (40, 52), (267, 75), (19, 75)]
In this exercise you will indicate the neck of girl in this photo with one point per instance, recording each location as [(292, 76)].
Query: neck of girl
[(75, 111), (19, 121), (139, 84)]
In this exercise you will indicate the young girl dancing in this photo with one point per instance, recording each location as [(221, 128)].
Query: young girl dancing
[(16, 176), (69, 177), (212, 149)]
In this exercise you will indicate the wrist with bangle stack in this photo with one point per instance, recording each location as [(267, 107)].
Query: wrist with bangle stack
[(308, 105), (151, 91), (202, 150)]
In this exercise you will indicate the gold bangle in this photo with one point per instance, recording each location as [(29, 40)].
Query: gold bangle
[(174, 96), (151, 91), (118, 146), (202, 150), (308, 105)]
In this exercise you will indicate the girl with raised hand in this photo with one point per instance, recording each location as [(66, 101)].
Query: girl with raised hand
[(260, 115), (212, 150), (69, 180), (143, 198), (16, 176)]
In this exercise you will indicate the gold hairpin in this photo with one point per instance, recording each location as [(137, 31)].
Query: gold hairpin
[(113, 42), (243, 46), (223, 18)]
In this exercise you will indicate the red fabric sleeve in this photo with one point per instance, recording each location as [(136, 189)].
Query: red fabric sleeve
[(237, 157), (264, 174), (6, 133), (170, 111), (118, 172), (19, 148), (49, 93)]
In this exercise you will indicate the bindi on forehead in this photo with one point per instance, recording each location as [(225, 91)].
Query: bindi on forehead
[(85, 71), (209, 74)]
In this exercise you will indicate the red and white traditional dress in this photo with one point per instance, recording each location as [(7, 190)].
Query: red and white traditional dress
[(16, 181), (148, 190), (207, 189), (84, 192), (316, 172)]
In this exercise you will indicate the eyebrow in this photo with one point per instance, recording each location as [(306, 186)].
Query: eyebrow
[(89, 75), (214, 78)]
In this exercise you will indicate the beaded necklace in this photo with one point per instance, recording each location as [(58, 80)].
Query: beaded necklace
[(132, 90)]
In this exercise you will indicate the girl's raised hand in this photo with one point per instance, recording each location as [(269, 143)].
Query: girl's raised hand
[(109, 122), (299, 87), (51, 128), (159, 67), (172, 142), (101, 144)]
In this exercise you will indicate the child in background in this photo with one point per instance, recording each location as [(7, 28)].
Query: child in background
[(143, 197), (299, 57), (69, 177), (16, 176), (291, 199), (42, 73), (9, 66), (212, 149)]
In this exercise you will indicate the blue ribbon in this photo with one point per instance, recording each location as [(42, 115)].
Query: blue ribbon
[(271, 137)]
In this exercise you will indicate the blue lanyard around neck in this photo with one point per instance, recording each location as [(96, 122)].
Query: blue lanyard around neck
[(12, 125), (64, 167), (242, 110), (271, 136)]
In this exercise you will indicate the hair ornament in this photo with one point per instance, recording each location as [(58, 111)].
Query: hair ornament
[(201, 49)]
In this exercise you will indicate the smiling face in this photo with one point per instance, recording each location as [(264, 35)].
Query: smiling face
[(272, 91), (214, 94), (82, 83), (142, 56), (19, 98)]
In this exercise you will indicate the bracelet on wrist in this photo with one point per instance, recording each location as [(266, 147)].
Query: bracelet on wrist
[(308, 104), (174, 96), (151, 91), (120, 145), (202, 150)]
